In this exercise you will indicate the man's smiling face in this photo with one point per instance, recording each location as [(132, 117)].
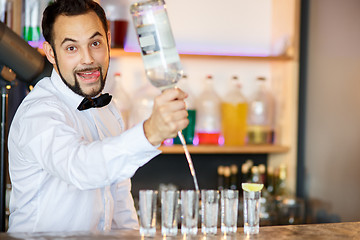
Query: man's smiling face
[(81, 53)]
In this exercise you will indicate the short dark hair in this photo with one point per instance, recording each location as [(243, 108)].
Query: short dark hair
[(69, 8)]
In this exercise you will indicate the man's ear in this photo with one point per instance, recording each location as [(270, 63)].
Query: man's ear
[(49, 52)]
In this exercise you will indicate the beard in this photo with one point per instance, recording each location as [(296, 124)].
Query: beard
[(76, 87)]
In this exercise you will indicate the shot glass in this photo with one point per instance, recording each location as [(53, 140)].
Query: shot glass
[(229, 210), (251, 212), (189, 212), (169, 212), (147, 207), (209, 211)]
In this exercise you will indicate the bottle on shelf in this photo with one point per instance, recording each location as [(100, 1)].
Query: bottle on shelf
[(255, 176), (270, 180), (261, 115), (227, 174), (142, 103), (117, 15), (31, 21), (208, 119), (234, 177), (281, 181), (246, 171), (220, 177), (262, 173), (189, 131), (234, 115), (7, 13)]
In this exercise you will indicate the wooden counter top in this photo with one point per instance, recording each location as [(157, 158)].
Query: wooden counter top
[(330, 231)]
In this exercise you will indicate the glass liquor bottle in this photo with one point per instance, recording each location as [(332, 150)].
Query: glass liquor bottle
[(255, 176), (220, 177), (234, 177), (142, 103), (117, 15), (158, 50), (261, 115), (227, 175), (208, 119), (31, 26), (234, 115)]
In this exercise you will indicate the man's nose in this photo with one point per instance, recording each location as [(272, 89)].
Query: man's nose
[(86, 56)]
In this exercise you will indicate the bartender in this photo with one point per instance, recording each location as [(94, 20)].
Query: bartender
[(70, 160)]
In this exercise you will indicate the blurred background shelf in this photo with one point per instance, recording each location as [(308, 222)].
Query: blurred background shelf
[(119, 52), (210, 149)]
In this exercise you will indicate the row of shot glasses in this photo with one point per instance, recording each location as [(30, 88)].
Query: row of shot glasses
[(186, 203)]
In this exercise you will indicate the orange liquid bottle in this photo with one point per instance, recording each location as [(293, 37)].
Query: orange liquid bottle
[(234, 110), (234, 123)]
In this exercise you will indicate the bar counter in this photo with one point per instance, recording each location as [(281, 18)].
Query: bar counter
[(350, 230)]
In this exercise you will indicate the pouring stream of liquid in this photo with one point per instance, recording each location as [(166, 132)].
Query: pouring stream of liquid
[(188, 157)]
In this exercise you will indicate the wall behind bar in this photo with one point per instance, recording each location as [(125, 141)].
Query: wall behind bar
[(204, 26), (332, 140)]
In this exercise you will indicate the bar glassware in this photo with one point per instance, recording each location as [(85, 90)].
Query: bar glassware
[(209, 211), (169, 212), (189, 212), (229, 210), (251, 212), (147, 207)]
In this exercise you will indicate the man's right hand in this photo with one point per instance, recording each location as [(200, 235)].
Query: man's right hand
[(169, 115)]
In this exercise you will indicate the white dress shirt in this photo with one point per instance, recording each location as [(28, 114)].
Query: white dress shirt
[(70, 170)]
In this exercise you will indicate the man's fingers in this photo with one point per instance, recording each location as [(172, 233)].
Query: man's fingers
[(173, 94)]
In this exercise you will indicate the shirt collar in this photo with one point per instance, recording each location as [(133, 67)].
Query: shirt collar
[(66, 94)]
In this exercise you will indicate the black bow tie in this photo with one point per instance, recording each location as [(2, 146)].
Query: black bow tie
[(102, 100)]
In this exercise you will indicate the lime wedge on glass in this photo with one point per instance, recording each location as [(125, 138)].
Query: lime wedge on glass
[(252, 187)]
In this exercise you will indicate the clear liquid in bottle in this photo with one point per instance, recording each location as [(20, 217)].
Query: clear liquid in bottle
[(158, 49)]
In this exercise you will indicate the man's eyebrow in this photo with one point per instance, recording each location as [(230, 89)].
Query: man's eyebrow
[(73, 40), (67, 40), (96, 34)]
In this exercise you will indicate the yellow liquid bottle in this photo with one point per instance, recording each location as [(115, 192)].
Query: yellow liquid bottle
[(234, 110), (234, 123)]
